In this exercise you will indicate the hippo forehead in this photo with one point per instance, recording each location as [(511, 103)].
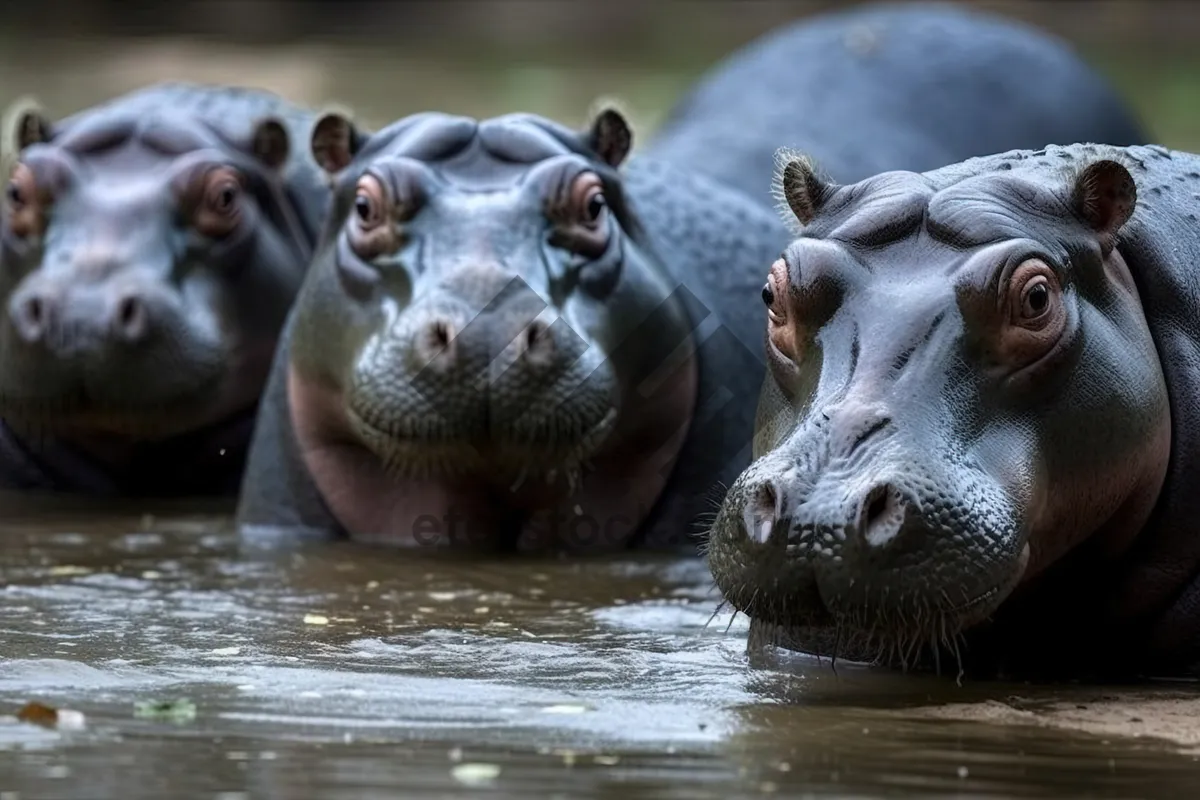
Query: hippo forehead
[(902, 212), (489, 154)]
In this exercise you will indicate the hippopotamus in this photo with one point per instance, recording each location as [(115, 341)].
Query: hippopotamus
[(150, 247), (979, 424), (517, 334), (862, 90)]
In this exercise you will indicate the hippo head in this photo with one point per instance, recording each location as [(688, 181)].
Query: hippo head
[(467, 343), (962, 389), (146, 265)]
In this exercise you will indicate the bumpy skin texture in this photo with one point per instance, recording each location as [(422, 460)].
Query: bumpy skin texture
[(430, 395), (1006, 455), (386, 436), (151, 247), (874, 88)]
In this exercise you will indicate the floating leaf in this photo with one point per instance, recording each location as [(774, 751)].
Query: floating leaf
[(62, 718), (181, 710), (473, 773)]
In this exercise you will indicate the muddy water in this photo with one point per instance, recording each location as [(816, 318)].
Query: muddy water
[(338, 671)]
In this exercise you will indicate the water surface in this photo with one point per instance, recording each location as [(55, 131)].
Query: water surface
[(342, 671)]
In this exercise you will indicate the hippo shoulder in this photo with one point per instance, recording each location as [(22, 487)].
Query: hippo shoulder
[(714, 239)]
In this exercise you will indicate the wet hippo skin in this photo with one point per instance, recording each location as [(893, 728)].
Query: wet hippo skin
[(149, 250), (517, 334), (978, 434)]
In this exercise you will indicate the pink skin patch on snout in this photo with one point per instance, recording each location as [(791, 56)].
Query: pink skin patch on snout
[(604, 510)]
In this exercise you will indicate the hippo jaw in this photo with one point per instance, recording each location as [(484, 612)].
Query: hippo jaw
[(468, 335), (886, 547), (962, 392), (141, 263)]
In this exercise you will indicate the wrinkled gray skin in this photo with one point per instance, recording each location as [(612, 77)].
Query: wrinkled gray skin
[(979, 423), (478, 374), (419, 398), (881, 86), (150, 249)]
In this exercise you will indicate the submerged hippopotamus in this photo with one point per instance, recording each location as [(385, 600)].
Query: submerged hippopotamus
[(980, 417), (517, 335), (150, 248), (863, 90)]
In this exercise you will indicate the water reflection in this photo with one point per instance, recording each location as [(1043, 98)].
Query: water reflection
[(345, 671)]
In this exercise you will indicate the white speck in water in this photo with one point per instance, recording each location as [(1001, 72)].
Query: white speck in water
[(565, 709), (963, 772), (475, 773), (267, 755), (578, 510), (311, 694), (57, 771), (151, 575), (347, 737), (231, 796), (315, 619), (222, 451), (70, 720), (441, 597), (225, 651), (455, 754)]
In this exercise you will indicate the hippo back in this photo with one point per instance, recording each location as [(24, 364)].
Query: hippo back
[(888, 87)]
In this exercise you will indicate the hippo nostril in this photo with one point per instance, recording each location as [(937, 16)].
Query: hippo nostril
[(31, 317), (440, 334), (130, 318), (762, 514), (882, 515), (537, 344), (433, 345)]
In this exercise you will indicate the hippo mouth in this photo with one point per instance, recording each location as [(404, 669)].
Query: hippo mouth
[(850, 591), (417, 451)]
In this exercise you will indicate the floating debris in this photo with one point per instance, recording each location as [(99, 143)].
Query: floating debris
[(565, 708), (315, 619), (178, 711), (64, 570), (61, 718), (475, 773)]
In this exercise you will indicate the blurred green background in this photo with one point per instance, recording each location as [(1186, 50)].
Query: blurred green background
[(386, 59)]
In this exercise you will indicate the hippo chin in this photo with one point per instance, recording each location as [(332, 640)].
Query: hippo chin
[(978, 425), (151, 247)]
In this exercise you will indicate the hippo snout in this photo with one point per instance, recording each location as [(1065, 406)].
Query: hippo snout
[(70, 318), (868, 535), (513, 386)]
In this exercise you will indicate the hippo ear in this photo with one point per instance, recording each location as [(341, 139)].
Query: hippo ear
[(271, 143), (1104, 196), (335, 141), (610, 136), (24, 123), (802, 189)]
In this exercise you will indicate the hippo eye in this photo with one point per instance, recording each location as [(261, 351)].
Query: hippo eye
[(587, 198), (595, 206), (1036, 299), (1033, 295), (15, 194), (224, 196), (368, 203)]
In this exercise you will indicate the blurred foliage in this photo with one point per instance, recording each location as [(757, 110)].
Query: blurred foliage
[(555, 57)]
